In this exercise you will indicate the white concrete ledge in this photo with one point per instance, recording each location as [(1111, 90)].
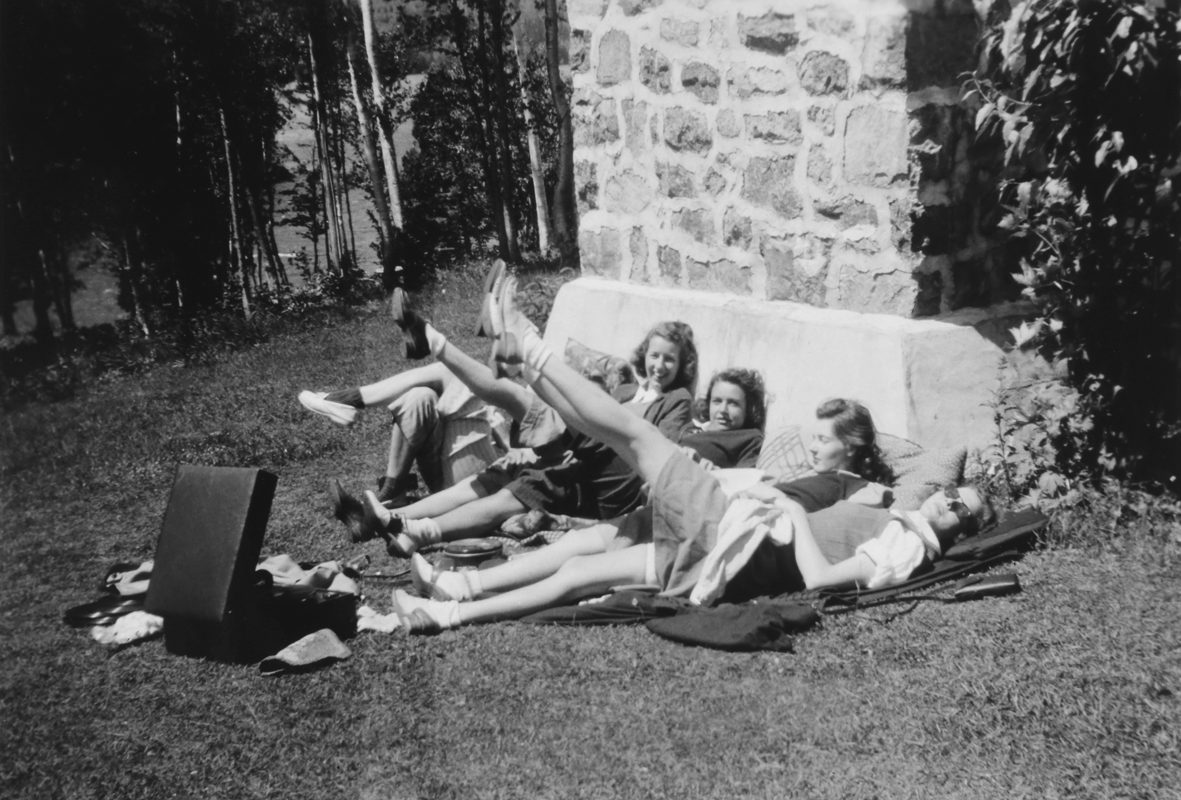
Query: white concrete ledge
[(929, 380)]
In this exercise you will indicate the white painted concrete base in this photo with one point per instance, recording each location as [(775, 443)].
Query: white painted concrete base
[(928, 380)]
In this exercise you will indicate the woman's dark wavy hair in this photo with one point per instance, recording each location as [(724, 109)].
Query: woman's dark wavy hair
[(681, 335), (853, 425), (751, 383)]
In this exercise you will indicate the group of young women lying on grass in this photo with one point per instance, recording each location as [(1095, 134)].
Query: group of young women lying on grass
[(616, 446)]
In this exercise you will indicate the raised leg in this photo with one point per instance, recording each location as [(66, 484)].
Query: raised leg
[(389, 389)]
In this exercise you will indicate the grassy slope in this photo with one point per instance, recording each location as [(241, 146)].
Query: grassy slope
[(1070, 689)]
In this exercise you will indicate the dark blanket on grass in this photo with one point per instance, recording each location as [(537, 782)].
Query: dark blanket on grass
[(769, 623)]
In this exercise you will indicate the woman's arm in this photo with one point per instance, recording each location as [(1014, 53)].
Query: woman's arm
[(818, 571)]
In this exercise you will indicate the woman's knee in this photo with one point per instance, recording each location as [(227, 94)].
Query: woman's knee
[(420, 402)]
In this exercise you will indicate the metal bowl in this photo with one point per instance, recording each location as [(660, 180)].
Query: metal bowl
[(470, 553)]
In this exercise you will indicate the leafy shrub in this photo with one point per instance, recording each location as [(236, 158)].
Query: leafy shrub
[(1083, 97)]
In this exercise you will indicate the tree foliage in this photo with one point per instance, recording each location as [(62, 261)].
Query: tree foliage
[(1084, 97)]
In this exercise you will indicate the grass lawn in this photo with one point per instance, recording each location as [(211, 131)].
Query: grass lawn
[(1070, 689)]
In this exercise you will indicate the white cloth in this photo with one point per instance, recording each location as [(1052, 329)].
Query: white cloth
[(744, 526), (133, 627), (370, 620), (898, 550)]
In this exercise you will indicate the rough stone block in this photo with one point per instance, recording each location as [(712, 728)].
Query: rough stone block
[(781, 127), (847, 211), (859, 282), (824, 118), (929, 380), (633, 7), (722, 275), (668, 261), (832, 20), (635, 115), (728, 123), (682, 31), (883, 59), (685, 129), (875, 146), (590, 10), (654, 70), (675, 180), (769, 182), (819, 167), (638, 246), (736, 229), (587, 183), (696, 222), (702, 80), (627, 192), (823, 73), (615, 61), (601, 251), (758, 81), (786, 280), (715, 182), (773, 32)]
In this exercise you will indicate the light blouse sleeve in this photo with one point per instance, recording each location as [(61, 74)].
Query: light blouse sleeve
[(895, 553)]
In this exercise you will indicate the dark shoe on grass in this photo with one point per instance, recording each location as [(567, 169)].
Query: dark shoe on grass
[(350, 511), (411, 324)]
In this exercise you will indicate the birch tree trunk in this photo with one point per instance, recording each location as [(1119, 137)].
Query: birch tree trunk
[(232, 199), (536, 170), (365, 125), (385, 122)]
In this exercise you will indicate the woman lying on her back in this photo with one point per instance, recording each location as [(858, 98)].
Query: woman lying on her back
[(666, 542)]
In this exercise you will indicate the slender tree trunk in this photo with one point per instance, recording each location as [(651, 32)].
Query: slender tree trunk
[(57, 278), (344, 207), (536, 170), (564, 212), (384, 121), (497, 82), (332, 243), (131, 272), (235, 228), (266, 255), (368, 146)]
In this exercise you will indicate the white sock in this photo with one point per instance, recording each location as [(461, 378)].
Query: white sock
[(423, 531), (444, 613), (536, 352), (435, 340)]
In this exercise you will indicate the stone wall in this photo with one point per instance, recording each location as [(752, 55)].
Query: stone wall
[(783, 150)]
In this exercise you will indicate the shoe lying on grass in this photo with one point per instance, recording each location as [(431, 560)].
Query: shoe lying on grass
[(339, 413)]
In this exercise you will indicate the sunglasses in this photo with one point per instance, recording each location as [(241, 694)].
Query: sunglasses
[(969, 524)]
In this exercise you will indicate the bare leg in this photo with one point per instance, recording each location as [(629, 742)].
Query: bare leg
[(449, 499), (479, 516), (389, 389), (579, 576), (537, 564), (501, 392), (586, 407)]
